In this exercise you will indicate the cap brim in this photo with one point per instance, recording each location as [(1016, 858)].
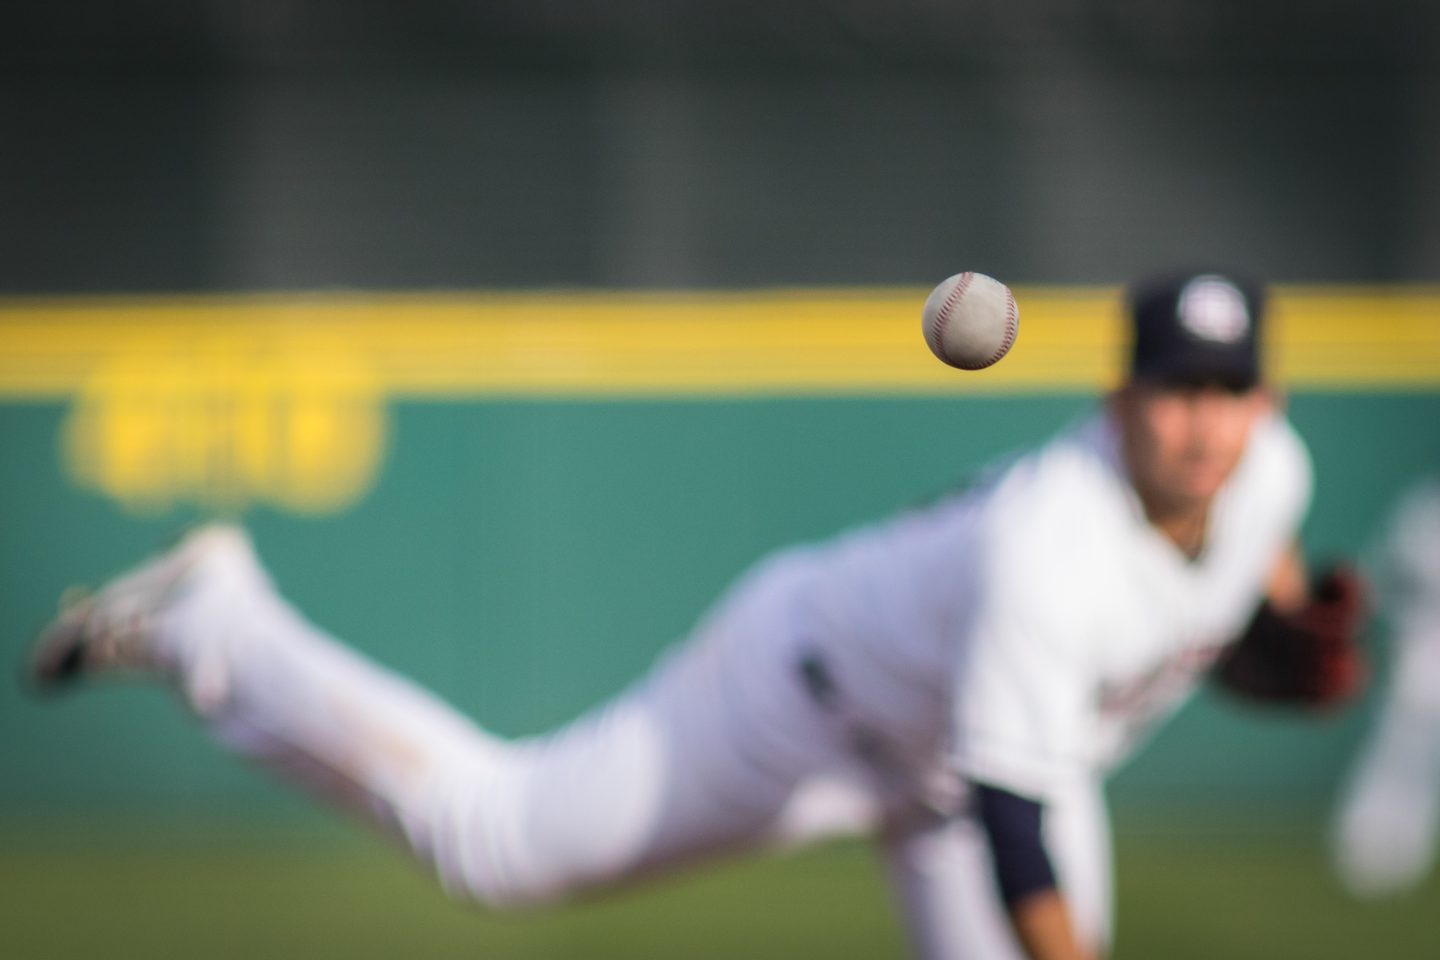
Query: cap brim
[(1197, 370)]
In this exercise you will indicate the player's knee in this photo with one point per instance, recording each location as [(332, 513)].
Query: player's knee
[(505, 894), (480, 873), (485, 849), (496, 898)]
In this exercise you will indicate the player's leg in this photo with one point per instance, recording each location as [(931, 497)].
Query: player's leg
[(703, 754), (205, 618), (940, 871), (1386, 821), (688, 763), (942, 874), (1078, 831)]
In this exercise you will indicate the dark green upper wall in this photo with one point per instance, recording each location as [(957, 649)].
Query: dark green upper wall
[(151, 147)]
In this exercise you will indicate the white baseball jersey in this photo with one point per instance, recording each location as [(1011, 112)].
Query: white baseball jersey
[(1038, 626)]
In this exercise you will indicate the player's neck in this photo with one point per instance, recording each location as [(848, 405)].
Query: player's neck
[(1187, 533), (1183, 524)]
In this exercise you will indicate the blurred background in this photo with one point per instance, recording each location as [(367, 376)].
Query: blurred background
[(515, 330)]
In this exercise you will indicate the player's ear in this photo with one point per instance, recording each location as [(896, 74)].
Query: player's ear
[(1262, 401), (1121, 400), (1274, 398)]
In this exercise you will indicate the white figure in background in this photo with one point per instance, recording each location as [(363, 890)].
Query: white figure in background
[(1385, 826)]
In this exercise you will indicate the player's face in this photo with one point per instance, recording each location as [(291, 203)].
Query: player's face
[(1183, 442)]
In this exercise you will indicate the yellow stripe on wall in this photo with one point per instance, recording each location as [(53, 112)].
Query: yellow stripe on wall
[(774, 342)]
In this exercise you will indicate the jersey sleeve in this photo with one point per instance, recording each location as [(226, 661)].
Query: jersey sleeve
[(1025, 699)]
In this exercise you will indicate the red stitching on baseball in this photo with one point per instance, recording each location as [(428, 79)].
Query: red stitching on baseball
[(942, 316), (1012, 328), (1012, 324)]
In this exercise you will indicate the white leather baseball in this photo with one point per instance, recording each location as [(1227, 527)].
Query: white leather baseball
[(970, 320)]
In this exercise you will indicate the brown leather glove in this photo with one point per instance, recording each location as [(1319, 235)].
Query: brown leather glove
[(1311, 657)]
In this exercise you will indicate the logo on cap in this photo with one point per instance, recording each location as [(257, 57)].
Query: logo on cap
[(1212, 308)]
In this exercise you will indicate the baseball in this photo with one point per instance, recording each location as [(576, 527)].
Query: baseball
[(970, 320)]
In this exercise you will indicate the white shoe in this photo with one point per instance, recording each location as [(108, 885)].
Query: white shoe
[(115, 630)]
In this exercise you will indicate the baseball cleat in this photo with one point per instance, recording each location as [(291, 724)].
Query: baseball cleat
[(114, 630)]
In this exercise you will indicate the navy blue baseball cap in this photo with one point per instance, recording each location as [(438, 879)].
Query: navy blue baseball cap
[(1197, 329)]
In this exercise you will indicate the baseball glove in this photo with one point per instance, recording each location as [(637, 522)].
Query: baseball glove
[(1310, 657)]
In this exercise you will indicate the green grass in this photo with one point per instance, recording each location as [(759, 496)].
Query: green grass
[(153, 891), (1212, 894)]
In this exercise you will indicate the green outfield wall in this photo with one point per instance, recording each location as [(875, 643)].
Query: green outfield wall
[(527, 552)]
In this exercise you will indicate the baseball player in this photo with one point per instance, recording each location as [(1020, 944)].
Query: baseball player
[(955, 681), (1384, 834)]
